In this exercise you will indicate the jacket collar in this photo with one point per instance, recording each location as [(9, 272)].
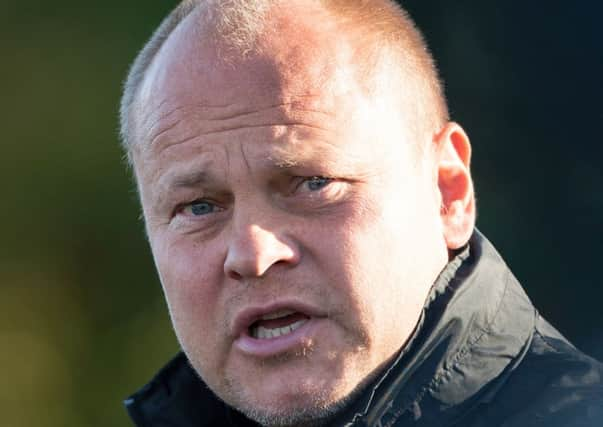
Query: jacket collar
[(475, 327)]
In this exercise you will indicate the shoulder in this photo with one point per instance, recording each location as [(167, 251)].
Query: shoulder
[(555, 385)]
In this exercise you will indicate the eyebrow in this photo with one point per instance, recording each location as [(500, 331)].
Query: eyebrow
[(188, 180), (284, 161), (198, 178)]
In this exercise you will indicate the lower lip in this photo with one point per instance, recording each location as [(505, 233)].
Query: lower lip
[(273, 346)]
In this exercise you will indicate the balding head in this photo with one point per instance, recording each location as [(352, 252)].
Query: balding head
[(383, 39)]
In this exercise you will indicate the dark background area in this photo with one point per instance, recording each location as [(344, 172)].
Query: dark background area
[(82, 319)]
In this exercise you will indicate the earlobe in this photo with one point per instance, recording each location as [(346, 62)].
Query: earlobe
[(457, 211)]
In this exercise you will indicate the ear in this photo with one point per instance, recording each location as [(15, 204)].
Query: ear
[(457, 210)]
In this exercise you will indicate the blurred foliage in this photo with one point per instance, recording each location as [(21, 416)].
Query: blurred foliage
[(82, 317)]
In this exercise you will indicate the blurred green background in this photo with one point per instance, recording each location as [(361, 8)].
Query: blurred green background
[(82, 319)]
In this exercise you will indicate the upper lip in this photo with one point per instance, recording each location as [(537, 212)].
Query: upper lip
[(247, 316)]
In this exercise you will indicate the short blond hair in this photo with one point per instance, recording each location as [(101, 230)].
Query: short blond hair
[(239, 22)]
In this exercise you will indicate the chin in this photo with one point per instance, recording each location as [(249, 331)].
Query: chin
[(300, 410), (309, 403)]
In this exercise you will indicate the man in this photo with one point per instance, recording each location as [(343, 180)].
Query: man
[(311, 213)]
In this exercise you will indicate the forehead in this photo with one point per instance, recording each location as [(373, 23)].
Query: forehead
[(297, 63)]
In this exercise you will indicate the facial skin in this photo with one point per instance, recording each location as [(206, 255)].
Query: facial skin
[(283, 182)]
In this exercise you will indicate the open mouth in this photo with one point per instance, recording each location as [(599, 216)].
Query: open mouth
[(277, 324)]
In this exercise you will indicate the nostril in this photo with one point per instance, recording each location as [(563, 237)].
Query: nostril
[(234, 275)]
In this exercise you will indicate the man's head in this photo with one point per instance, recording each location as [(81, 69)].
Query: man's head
[(295, 224)]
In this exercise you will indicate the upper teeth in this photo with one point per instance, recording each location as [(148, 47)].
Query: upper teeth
[(277, 314)]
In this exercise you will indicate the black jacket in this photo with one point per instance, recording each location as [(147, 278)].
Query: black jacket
[(481, 356)]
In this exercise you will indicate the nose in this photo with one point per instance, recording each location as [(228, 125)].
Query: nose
[(253, 250)]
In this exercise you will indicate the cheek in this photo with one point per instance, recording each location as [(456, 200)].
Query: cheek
[(348, 250), (191, 276), (383, 247)]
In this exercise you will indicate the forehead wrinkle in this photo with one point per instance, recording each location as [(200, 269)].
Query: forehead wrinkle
[(158, 127), (159, 116), (196, 177), (215, 120), (244, 157), (275, 126)]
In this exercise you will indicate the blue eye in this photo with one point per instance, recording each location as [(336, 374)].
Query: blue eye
[(200, 208), (317, 183)]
